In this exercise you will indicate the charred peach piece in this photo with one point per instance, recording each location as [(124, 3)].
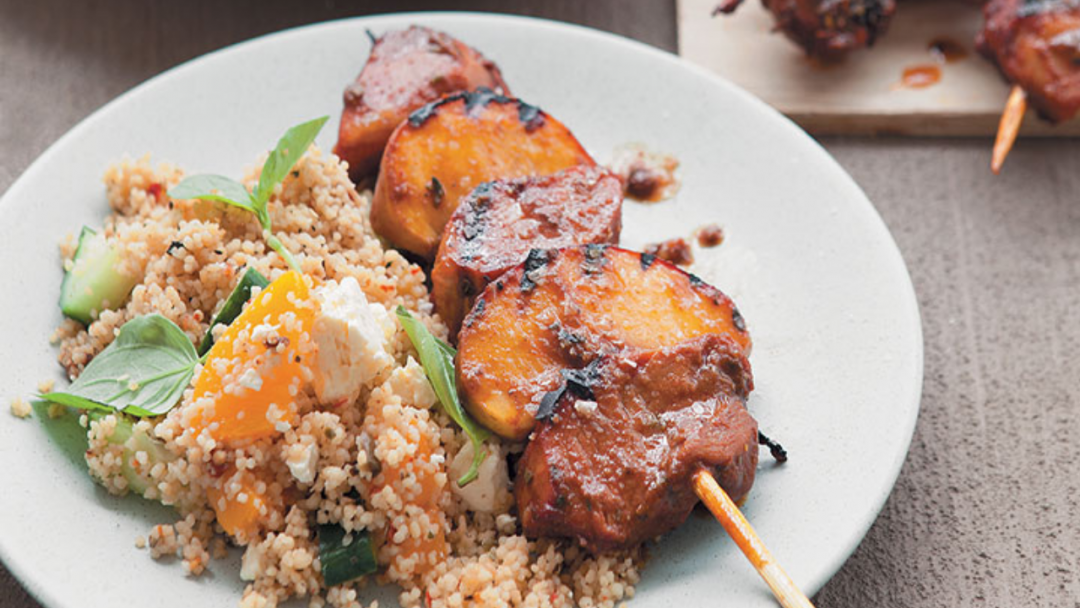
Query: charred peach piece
[(560, 310), (448, 148), (497, 225), (406, 69)]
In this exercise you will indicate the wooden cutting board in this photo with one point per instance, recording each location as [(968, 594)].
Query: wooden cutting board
[(864, 94)]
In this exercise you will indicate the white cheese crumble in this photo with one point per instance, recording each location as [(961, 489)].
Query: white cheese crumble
[(251, 563), (302, 460), (411, 384), (482, 494), (350, 334)]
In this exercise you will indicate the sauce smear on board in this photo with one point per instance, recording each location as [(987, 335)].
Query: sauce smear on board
[(920, 76), (947, 50)]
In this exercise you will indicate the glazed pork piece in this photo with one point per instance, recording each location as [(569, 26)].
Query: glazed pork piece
[(448, 148), (827, 29), (497, 225), (561, 310), (405, 70), (612, 465), (1036, 44)]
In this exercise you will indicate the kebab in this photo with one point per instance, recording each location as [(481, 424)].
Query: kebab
[(1036, 45), (660, 356), (629, 378), (827, 29)]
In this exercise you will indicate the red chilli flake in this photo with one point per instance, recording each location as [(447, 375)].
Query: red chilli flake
[(155, 190), (215, 469)]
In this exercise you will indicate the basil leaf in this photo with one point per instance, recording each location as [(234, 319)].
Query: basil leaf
[(340, 562), (234, 304), (64, 431), (289, 150), (437, 358), (143, 372), (213, 188)]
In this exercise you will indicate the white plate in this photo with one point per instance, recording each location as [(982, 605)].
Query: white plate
[(838, 347)]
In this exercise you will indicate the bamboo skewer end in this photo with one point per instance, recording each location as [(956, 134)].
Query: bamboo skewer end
[(727, 513), (1009, 127)]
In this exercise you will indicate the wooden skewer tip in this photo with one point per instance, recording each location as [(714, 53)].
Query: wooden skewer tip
[(733, 521), (1011, 119)]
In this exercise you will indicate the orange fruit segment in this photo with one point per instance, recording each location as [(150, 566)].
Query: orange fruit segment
[(239, 505), (248, 385), (416, 479)]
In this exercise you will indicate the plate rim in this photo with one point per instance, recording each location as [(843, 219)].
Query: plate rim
[(38, 587)]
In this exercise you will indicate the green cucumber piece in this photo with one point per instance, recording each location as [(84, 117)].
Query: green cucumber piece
[(342, 562), (156, 452), (234, 304), (93, 283)]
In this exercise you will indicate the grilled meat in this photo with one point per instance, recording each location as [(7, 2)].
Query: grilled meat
[(1036, 44), (828, 29), (612, 466)]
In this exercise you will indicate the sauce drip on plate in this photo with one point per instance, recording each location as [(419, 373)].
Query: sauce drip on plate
[(647, 176)]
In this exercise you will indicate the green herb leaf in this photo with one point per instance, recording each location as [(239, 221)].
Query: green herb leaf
[(234, 304), (289, 150), (143, 372), (437, 357), (213, 188), (64, 431), (342, 562)]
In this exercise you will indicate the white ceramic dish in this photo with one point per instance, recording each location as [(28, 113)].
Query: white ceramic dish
[(838, 346)]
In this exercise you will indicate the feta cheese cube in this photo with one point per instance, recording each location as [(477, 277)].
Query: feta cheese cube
[(351, 335), (491, 488), (302, 460), (411, 384)]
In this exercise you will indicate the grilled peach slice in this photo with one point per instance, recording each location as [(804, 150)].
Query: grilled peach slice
[(497, 225), (448, 148), (541, 322), (406, 69)]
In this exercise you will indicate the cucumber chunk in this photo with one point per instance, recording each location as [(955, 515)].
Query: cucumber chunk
[(93, 283), (134, 441), (234, 305)]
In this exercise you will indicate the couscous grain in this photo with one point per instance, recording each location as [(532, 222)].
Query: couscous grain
[(20, 408)]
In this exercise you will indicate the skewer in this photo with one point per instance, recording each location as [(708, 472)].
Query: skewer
[(1009, 127), (729, 516)]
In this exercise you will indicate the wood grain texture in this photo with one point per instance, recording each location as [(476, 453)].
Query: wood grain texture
[(986, 507), (863, 93)]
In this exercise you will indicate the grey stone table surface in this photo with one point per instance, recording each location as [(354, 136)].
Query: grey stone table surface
[(986, 509)]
